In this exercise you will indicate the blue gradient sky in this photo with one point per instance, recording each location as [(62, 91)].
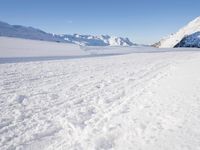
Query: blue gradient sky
[(143, 21)]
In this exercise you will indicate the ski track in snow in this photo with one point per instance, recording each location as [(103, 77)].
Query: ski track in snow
[(138, 101)]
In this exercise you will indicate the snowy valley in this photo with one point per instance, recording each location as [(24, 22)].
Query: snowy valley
[(83, 92), (135, 101)]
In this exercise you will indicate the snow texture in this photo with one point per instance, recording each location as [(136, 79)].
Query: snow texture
[(136, 101)]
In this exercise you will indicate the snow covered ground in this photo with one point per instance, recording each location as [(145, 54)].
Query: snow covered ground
[(140, 101), (21, 48), (16, 47)]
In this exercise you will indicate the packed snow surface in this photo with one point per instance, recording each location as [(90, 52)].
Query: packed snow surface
[(140, 101)]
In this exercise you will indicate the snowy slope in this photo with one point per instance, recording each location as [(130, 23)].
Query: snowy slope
[(174, 39), (84, 40), (16, 47), (26, 32), (192, 40), (140, 101)]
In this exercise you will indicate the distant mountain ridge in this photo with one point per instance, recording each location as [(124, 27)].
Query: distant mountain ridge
[(18, 31), (188, 36)]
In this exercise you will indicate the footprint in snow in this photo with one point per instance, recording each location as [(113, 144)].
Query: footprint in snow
[(21, 99)]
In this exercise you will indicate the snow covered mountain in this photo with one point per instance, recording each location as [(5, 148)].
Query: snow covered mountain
[(192, 40), (26, 32), (18, 31), (187, 35), (90, 40)]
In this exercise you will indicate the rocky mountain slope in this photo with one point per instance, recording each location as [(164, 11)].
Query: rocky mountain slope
[(192, 40)]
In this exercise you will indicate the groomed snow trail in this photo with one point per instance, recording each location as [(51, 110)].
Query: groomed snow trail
[(138, 101)]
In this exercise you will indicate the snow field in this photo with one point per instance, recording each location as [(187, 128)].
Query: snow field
[(138, 101)]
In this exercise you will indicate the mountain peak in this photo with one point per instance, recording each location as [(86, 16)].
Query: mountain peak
[(174, 39), (196, 20), (19, 31)]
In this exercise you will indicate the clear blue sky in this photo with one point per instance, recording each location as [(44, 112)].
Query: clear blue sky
[(143, 21)]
